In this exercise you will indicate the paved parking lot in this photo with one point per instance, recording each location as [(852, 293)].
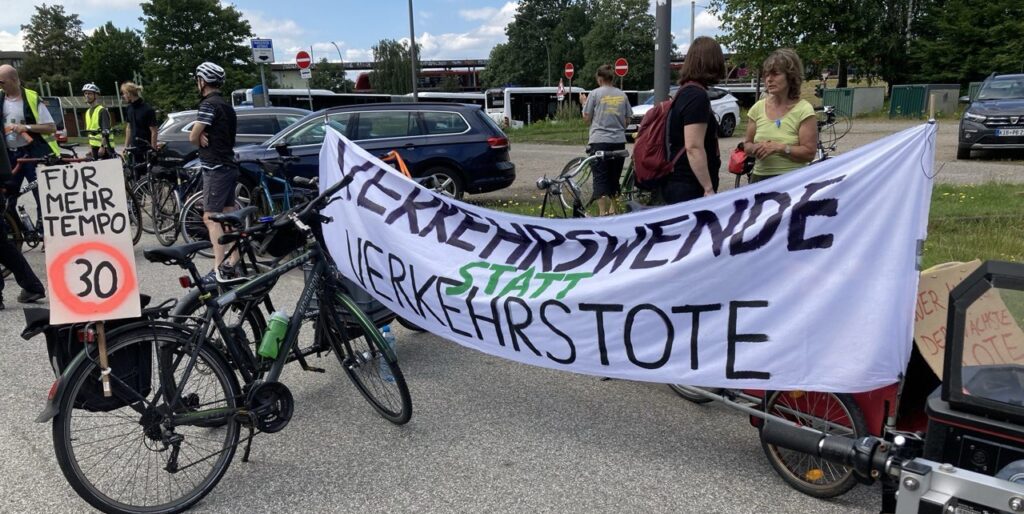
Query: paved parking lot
[(487, 435)]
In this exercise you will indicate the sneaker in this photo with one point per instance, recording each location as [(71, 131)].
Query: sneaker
[(29, 297), (229, 274)]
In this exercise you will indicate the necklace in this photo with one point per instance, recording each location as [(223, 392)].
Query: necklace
[(778, 121)]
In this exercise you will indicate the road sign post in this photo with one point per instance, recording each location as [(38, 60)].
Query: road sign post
[(621, 69), (304, 61), (90, 259), (263, 53), (570, 70)]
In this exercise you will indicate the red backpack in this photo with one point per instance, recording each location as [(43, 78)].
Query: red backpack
[(650, 152)]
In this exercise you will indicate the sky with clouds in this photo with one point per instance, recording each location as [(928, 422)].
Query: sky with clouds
[(446, 29)]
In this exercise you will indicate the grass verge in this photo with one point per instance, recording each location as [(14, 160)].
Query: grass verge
[(967, 222)]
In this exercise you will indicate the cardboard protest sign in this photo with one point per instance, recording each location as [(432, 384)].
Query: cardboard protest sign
[(991, 335), (90, 262)]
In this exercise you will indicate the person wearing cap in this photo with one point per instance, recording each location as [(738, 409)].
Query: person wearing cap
[(214, 134), (97, 124)]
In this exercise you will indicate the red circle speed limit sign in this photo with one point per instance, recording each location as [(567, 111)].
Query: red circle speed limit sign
[(90, 259), (621, 67)]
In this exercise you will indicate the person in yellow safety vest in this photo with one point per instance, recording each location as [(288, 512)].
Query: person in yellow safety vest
[(19, 120), (97, 124), (28, 128)]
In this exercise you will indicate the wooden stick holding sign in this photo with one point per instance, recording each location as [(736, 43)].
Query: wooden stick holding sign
[(90, 260), (101, 345)]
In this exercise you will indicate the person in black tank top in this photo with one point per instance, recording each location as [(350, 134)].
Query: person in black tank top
[(693, 127)]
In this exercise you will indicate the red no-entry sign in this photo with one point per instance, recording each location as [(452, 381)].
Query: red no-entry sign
[(303, 59), (621, 67), (569, 70)]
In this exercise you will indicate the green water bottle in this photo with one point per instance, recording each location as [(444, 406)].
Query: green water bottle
[(277, 327)]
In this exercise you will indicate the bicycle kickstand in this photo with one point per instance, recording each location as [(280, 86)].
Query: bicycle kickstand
[(248, 444), (302, 361)]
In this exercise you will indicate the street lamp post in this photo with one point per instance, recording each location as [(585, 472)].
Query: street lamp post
[(341, 62), (412, 54)]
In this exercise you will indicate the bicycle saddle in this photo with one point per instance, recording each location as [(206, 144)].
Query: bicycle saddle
[(234, 218), (175, 255)]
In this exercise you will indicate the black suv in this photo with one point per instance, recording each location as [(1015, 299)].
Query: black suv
[(255, 125), (995, 119), (456, 145)]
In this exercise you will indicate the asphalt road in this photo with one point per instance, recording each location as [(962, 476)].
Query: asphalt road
[(536, 160), (487, 435)]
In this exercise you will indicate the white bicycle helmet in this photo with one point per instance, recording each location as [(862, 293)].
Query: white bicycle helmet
[(210, 73), (90, 88)]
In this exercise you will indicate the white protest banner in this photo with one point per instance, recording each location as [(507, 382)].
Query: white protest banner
[(90, 262), (805, 281)]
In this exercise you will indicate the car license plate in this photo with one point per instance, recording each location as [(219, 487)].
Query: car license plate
[(1010, 132)]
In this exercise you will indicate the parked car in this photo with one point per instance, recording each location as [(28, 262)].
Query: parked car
[(725, 106), (456, 145), (995, 119), (255, 125)]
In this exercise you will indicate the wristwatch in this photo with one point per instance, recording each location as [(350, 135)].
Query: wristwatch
[(788, 150)]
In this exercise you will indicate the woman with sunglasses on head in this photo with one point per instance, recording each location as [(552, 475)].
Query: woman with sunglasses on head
[(782, 128)]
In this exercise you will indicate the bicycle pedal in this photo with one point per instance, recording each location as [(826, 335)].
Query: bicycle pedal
[(315, 369)]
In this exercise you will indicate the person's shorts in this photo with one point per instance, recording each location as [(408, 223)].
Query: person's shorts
[(219, 188), (608, 171)]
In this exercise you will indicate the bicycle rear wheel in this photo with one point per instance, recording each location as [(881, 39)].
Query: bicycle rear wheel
[(193, 228), (143, 191), (359, 347), (164, 208), (117, 452), (832, 413)]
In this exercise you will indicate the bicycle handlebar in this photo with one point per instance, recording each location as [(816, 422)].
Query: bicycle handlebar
[(868, 456)]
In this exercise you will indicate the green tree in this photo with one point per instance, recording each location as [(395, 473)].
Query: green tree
[(952, 46), (622, 28), (826, 33), (181, 34), (392, 70), (328, 75), (111, 55), (543, 36), (53, 41)]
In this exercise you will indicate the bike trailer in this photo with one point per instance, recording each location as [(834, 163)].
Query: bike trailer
[(65, 342)]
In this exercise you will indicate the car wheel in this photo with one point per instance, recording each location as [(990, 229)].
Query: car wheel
[(727, 126), (444, 181), (963, 153)]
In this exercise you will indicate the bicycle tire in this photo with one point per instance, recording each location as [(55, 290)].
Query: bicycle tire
[(630, 191), (134, 216), (358, 345), (191, 223), (190, 309), (164, 209), (552, 206), (584, 180), (143, 191), (820, 479), (695, 398), (141, 433)]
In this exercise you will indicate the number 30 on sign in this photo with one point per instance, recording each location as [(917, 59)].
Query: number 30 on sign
[(90, 262)]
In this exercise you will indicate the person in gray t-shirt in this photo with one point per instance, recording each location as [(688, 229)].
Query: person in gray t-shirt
[(607, 110)]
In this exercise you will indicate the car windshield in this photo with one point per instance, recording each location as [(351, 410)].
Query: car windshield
[(1002, 89)]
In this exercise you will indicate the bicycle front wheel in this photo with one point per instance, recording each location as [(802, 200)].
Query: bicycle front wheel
[(164, 209), (143, 191), (584, 180), (831, 413), (125, 453), (362, 353), (134, 216)]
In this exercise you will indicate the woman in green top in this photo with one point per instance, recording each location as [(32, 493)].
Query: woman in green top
[(782, 128)]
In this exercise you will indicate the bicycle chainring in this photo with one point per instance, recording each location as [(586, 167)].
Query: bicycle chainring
[(271, 405)]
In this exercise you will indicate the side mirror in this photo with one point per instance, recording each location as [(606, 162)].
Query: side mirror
[(965, 99), (282, 149)]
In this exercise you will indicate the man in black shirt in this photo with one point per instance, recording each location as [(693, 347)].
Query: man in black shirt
[(10, 256), (214, 134), (140, 134)]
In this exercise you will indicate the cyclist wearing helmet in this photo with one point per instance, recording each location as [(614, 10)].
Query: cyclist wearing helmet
[(214, 134), (97, 123)]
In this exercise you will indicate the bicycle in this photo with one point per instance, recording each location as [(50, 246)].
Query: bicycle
[(832, 127), (576, 183), (171, 187), (193, 227), (177, 407)]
